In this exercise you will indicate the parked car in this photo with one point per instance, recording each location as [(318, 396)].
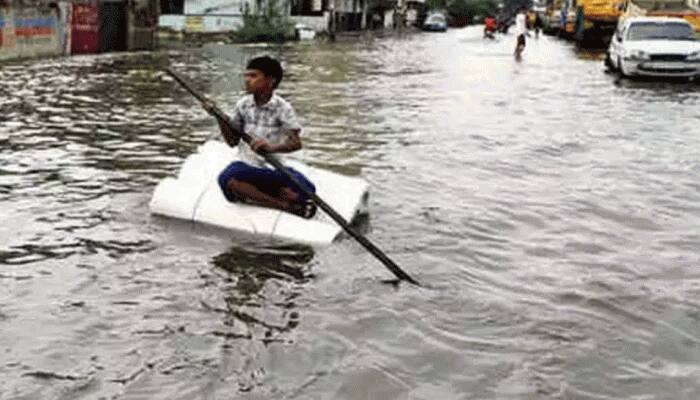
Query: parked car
[(435, 22), (655, 47)]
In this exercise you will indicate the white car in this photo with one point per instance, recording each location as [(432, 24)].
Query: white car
[(655, 47)]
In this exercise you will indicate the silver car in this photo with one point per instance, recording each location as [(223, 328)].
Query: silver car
[(655, 47), (435, 22)]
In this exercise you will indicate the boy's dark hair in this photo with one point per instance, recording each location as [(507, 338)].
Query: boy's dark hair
[(268, 66)]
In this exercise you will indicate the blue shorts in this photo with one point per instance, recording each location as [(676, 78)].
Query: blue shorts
[(267, 180)]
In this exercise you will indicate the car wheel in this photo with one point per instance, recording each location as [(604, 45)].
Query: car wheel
[(621, 67)]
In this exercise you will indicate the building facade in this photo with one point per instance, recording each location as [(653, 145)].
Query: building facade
[(226, 15), (42, 28)]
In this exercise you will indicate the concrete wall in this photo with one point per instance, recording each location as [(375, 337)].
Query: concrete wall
[(318, 24), (206, 16), (30, 31), (213, 7), (201, 23), (225, 15), (389, 19)]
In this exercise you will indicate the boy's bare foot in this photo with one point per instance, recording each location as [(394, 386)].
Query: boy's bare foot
[(306, 209)]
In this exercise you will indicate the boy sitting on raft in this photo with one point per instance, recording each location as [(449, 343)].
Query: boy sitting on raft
[(272, 123)]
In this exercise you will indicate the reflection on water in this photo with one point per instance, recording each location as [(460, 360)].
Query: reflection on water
[(590, 54), (552, 207), (252, 267)]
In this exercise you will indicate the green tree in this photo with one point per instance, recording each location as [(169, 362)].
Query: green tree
[(267, 22), (470, 8)]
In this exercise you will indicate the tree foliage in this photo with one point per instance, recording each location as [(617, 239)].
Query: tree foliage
[(471, 8), (266, 22), (465, 8)]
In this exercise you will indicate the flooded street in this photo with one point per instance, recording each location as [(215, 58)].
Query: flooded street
[(552, 209)]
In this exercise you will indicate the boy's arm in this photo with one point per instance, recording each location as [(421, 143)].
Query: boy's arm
[(230, 136), (292, 143)]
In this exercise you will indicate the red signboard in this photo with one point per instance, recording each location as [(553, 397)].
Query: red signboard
[(85, 29), (2, 21)]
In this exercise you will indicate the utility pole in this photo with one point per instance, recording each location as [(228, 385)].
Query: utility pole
[(331, 22)]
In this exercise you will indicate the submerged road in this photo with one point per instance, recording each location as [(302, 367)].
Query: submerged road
[(552, 208)]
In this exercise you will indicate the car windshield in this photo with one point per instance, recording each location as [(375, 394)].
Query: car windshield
[(436, 19), (656, 30)]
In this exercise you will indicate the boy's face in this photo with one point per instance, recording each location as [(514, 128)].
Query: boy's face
[(257, 82)]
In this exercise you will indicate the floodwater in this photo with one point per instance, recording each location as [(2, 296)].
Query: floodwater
[(552, 209)]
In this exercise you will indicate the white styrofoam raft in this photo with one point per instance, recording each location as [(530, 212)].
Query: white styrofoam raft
[(195, 196)]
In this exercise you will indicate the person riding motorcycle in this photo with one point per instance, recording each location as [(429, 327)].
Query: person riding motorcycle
[(489, 26)]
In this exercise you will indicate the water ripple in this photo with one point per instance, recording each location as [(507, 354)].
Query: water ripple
[(550, 208)]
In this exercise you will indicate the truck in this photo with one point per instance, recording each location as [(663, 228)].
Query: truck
[(559, 18), (663, 8), (596, 20)]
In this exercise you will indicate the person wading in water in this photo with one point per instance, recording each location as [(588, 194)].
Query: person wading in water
[(521, 31), (272, 123)]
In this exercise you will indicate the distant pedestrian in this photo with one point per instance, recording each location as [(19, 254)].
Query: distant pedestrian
[(489, 27), (520, 31), (563, 13), (538, 25)]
